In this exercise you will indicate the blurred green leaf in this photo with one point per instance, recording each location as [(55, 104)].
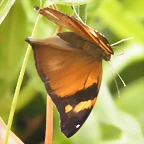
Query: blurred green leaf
[(68, 2), (5, 7), (114, 120)]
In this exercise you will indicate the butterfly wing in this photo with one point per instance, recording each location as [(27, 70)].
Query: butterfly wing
[(72, 78), (78, 27)]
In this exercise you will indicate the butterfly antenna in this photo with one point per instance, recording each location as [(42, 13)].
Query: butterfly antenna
[(126, 39), (117, 86), (76, 13), (118, 54), (112, 69)]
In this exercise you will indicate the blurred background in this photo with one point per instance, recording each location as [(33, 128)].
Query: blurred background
[(114, 120)]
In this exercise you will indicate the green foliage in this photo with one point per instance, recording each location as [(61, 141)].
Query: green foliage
[(5, 6), (114, 120)]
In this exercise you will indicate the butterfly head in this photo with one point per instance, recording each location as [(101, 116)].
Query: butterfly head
[(105, 56)]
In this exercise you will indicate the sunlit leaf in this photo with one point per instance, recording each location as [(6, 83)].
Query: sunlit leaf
[(5, 7), (68, 2), (13, 139)]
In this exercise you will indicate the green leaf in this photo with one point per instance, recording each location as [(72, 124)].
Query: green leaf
[(68, 2), (5, 7)]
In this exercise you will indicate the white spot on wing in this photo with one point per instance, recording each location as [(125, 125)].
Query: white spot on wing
[(77, 126)]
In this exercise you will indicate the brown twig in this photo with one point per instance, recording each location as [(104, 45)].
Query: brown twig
[(59, 29), (49, 121)]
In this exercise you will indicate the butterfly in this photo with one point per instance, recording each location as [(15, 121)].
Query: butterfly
[(70, 66)]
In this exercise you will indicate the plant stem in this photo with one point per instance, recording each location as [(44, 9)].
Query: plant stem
[(49, 121), (18, 86), (82, 11)]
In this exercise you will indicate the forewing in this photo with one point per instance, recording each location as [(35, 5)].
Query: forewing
[(78, 27), (72, 78)]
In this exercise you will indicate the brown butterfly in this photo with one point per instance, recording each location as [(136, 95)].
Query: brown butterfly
[(70, 66)]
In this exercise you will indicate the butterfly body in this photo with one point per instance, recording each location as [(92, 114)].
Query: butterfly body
[(70, 66), (88, 46)]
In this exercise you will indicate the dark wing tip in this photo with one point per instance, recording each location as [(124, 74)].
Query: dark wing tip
[(70, 126), (36, 8), (69, 131)]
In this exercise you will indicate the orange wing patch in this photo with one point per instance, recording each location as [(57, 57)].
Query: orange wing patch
[(84, 105), (68, 108), (80, 106)]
